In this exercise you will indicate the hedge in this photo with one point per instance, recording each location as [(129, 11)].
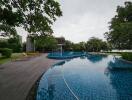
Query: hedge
[(6, 52), (127, 56)]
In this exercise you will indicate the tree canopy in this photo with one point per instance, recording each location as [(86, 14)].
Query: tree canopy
[(95, 45), (45, 43), (120, 34), (68, 46), (12, 43), (35, 16)]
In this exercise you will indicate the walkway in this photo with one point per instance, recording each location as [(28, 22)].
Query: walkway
[(17, 78)]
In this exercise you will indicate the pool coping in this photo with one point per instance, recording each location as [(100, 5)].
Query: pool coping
[(33, 91)]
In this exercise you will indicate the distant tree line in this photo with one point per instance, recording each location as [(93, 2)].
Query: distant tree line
[(50, 43), (92, 45)]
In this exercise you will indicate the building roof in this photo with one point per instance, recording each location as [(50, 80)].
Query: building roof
[(61, 40)]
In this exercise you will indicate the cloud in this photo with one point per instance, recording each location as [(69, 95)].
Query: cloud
[(83, 19)]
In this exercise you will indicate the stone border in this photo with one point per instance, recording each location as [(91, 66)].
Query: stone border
[(33, 91)]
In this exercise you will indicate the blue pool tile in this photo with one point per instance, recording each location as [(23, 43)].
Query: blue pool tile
[(93, 77)]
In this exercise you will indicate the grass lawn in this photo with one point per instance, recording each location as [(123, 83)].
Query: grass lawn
[(13, 57)]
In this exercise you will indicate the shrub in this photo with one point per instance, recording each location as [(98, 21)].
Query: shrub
[(127, 56), (6, 52)]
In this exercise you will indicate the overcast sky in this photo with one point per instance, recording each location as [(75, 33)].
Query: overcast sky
[(83, 19)]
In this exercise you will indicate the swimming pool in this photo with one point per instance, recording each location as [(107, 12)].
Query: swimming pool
[(92, 77), (65, 55)]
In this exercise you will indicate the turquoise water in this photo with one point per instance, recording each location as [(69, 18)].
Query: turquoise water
[(92, 77), (65, 55)]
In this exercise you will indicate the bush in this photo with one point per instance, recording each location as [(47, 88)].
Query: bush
[(6, 52), (127, 56)]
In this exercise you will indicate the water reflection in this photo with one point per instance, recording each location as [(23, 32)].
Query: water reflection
[(47, 94), (50, 91), (96, 58), (118, 64), (119, 74), (121, 81), (82, 57), (59, 64), (88, 81)]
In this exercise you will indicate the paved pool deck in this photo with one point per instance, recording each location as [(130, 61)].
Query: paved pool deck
[(17, 78)]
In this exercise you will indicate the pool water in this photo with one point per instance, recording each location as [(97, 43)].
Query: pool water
[(65, 55), (92, 77)]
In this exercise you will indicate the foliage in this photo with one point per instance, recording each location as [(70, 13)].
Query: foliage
[(68, 46), (6, 52), (76, 47), (96, 45), (45, 43), (13, 57), (3, 43), (6, 30), (12, 43), (127, 56), (106, 46), (35, 16), (82, 46), (79, 46), (24, 47), (120, 34)]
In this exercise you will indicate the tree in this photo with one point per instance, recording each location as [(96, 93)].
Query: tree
[(82, 46), (120, 34), (76, 47), (105, 46), (79, 46), (12, 43), (6, 30), (45, 43), (68, 46), (35, 16), (96, 45), (3, 43)]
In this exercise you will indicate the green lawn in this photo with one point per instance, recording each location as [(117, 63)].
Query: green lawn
[(13, 57)]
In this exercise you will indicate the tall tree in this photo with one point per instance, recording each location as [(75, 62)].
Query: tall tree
[(95, 45), (68, 46), (13, 43), (35, 16), (45, 43), (120, 34), (6, 30)]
